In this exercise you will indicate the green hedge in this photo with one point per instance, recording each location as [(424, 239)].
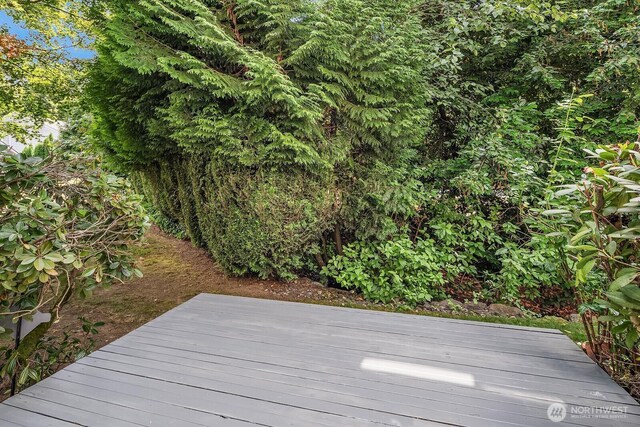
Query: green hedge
[(262, 224)]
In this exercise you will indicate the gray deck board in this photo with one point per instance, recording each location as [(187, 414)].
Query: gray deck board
[(451, 339), (390, 345), (311, 361), (229, 361), (314, 378), (12, 416)]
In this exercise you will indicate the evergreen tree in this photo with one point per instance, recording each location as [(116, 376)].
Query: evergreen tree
[(268, 129)]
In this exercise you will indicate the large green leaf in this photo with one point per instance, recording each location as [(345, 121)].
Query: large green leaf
[(623, 280), (632, 292), (620, 299)]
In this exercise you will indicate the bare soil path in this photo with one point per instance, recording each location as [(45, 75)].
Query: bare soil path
[(174, 271)]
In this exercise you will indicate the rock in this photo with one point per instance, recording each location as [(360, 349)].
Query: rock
[(447, 306), (427, 306), (475, 307), (440, 306), (306, 281), (505, 310), (575, 317)]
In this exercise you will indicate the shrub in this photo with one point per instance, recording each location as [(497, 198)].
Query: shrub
[(264, 225), (275, 133), (67, 228), (54, 352), (396, 269), (42, 149), (604, 222), (601, 217), (164, 223)]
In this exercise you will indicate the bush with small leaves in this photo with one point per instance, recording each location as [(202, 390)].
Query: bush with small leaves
[(398, 269)]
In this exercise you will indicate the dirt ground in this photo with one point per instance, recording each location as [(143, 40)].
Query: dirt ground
[(175, 271)]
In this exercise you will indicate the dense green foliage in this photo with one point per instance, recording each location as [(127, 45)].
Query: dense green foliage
[(399, 147), (42, 149), (265, 127), (387, 270), (66, 228), (411, 150), (521, 89)]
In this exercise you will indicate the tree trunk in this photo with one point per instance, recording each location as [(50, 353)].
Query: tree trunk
[(319, 260), (338, 239)]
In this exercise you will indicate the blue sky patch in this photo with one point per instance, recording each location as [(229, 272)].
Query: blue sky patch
[(18, 30)]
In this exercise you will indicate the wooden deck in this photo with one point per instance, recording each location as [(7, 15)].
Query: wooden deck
[(230, 361)]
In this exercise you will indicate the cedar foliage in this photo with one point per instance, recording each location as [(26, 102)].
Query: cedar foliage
[(277, 133), (265, 128)]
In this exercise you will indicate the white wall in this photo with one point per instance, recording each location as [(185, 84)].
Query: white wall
[(49, 128)]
